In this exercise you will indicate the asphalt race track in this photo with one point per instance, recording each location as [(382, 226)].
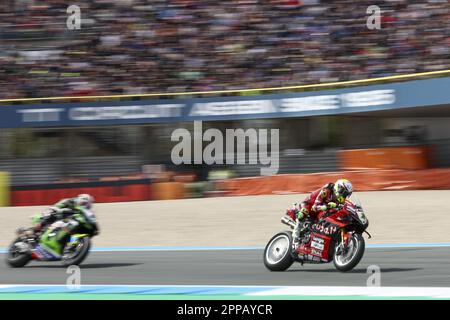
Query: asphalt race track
[(418, 267)]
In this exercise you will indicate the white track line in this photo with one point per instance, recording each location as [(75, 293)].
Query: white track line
[(436, 292)]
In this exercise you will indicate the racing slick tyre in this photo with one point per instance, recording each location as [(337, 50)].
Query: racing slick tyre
[(347, 259), (15, 258), (277, 255), (76, 255)]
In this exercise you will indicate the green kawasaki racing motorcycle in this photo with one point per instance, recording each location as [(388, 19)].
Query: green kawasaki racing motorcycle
[(66, 240)]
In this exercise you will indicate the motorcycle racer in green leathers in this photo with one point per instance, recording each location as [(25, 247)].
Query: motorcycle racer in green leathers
[(63, 219)]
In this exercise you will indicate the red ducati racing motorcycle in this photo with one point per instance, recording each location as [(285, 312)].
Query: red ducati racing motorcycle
[(336, 237)]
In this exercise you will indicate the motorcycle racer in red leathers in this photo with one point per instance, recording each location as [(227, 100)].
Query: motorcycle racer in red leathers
[(317, 203)]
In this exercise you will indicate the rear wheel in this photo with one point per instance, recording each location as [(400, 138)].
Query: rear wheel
[(277, 255), (345, 259), (75, 254), (18, 254)]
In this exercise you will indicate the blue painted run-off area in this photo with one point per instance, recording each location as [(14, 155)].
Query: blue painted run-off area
[(146, 290)]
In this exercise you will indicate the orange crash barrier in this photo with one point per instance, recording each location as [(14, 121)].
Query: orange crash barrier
[(364, 180), (168, 190), (408, 158), (105, 191)]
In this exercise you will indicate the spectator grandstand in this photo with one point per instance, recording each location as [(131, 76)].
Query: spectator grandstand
[(146, 46)]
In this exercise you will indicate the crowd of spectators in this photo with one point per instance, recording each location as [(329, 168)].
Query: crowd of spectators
[(156, 46)]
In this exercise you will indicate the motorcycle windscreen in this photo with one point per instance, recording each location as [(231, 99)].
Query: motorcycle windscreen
[(355, 200)]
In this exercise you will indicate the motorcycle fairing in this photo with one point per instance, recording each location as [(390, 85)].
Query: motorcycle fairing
[(44, 254), (327, 227), (316, 249), (49, 240)]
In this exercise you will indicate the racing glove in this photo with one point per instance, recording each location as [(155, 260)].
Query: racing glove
[(303, 212), (332, 205)]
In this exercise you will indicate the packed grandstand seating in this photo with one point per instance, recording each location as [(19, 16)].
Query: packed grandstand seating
[(147, 46)]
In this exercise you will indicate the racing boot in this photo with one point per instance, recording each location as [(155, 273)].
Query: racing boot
[(299, 226), (296, 235), (304, 234)]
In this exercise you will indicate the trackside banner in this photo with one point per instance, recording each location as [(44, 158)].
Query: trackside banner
[(409, 94)]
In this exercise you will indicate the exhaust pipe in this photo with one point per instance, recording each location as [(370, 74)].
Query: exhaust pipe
[(288, 221)]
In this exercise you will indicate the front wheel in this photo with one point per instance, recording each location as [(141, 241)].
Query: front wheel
[(18, 254), (75, 254), (277, 255), (345, 259)]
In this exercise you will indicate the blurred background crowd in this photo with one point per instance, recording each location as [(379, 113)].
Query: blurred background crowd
[(155, 46)]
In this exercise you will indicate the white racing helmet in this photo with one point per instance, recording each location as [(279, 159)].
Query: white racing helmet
[(342, 190), (84, 200)]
